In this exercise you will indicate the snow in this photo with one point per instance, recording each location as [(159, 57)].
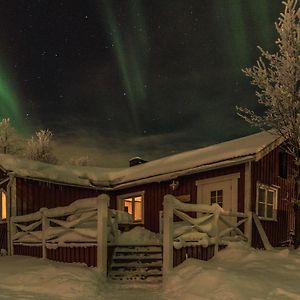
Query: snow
[(230, 152), (236, 273), (138, 236), (33, 278), (184, 163)]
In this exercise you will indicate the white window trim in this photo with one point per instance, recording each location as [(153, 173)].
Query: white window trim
[(275, 202), (120, 199)]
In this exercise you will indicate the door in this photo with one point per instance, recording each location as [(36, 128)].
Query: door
[(222, 190), (218, 192)]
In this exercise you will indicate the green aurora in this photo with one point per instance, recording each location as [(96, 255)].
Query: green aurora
[(132, 58), (10, 107)]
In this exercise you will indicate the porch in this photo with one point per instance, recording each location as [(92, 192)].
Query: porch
[(87, 231)]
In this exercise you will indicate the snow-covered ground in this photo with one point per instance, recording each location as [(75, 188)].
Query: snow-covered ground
[(236, 273)]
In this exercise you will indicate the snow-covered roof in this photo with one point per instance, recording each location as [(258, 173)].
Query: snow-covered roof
[(223, 154), (251, 147), (76, 175)]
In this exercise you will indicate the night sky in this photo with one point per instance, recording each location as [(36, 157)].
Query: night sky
[(117, 79)]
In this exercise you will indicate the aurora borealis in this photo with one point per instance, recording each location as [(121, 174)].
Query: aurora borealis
[(10, 106), (120, 78)]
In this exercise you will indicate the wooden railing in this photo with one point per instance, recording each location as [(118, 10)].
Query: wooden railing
[(211, 226), (85, 222)]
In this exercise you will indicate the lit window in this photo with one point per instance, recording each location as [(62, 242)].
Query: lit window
[(134, 206), (3, 205), (266, 202), (216, 197)]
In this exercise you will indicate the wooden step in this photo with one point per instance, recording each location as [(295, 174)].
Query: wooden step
[(137, 257), (138, 250), (137, 264)]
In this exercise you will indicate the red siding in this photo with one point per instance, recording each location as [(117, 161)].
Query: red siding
[(3, 236), (198, 252), (155, 192), (87, 255), (33, 194), (266, 171), (35, 251)]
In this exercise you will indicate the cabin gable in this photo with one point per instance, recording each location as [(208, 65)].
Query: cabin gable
[(267, 172)]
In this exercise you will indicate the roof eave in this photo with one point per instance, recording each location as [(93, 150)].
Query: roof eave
[(176, 174)]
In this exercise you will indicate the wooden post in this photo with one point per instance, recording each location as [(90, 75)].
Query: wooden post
[(248, 227), (167, 234), (102, 215), (160, 223), (247, 203), (12, 231), (45, 225), (217, 231)]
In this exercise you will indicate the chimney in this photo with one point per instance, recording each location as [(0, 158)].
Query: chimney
[(136, 161)]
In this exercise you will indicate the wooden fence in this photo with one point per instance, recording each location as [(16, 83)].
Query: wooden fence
[(84, 223), (211, 226)]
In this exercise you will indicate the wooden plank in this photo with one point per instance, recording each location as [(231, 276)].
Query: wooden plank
[(262, 233)]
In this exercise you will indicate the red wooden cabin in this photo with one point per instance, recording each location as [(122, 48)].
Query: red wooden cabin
[(247, 174)]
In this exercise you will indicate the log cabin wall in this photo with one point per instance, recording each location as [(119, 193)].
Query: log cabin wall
[(31, 195), (155, 192), (266, 171)]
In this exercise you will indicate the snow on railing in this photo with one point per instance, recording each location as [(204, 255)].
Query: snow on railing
[(211, 226), (85, 222)]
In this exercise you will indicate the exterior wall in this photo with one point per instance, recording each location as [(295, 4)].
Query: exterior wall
[(266, 171), (155, 192), (3, 236), (198, 252), (87, 255), (31, 195)]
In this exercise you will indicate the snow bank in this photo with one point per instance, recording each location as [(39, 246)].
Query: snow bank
[(238, 272), (32, 278), (23, 275), (138, 236)]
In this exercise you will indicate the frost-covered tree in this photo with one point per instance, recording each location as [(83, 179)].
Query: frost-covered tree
[(8, 137), (277, 77), (39, 147)]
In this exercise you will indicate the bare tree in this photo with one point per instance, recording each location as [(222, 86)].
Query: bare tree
[(8, 137), (39, 147)]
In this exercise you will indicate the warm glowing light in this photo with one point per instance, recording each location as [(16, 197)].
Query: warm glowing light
[(133, 206), (138, 208), (3, 206)]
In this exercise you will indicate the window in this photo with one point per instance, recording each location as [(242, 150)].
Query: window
[(216, 197), (3, 205), (282, 171), (266, 202), (133, 204)]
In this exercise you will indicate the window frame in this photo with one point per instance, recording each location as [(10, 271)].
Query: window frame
[(267, 188), (120, 203), (218, 193)]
